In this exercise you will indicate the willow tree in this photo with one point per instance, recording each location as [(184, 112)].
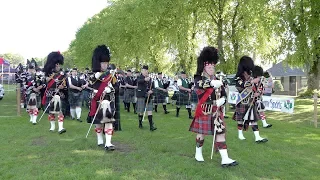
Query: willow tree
[(299, 34)]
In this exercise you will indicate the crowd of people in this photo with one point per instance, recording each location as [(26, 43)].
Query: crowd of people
[(62, 93)]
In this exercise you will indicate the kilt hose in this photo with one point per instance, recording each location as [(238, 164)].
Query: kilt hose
[(141, 103), (204, 123)]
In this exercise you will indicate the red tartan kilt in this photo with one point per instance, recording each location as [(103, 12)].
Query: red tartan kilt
[(204, 124), (241, 110)]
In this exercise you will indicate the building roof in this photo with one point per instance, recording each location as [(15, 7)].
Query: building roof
[(283, 70)]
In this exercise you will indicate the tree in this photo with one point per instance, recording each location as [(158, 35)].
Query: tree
[(299, 33), (13, 58)]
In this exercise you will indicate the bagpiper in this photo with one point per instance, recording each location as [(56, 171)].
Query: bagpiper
[(102, 108), (144, 97), (209, 118), (56, 81), (129, 93), (160, 93), (184, 95), (258, 73), (35, 83), (76, 85), (21, 77), (246, 112)]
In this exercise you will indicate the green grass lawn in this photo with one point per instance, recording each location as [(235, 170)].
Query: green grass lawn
[(8, 105), (32, 152)]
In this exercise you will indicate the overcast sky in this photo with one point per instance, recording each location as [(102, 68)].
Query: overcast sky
[(34, 28)]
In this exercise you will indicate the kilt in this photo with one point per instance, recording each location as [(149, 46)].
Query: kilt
[(175, 95), (129, 96), (204, 124), (141, 103), (194, 97), (159, 97), (260, 106), (113, 109), (241, 110), (64, 106), (37, 98), (183, 99), (74, 99)]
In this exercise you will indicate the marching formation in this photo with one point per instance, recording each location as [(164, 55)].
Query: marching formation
[(63, 93)]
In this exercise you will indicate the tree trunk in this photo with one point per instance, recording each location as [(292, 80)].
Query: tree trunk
[(313, 76), (220, 33), (137, 64)]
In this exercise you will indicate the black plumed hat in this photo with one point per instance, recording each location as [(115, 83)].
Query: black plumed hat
[(100, 54)]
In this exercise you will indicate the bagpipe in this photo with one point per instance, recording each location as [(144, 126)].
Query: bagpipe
[(255, 88)]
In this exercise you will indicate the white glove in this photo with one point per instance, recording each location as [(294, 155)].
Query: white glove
[(95, 91), (221, 101), (112, 71), (107, 90), (97, 75), (216, 84)]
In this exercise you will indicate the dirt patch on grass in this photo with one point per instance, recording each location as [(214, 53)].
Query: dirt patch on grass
[(38, 141), (121, 147)]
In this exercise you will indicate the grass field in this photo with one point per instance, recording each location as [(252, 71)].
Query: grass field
[(32, 152)]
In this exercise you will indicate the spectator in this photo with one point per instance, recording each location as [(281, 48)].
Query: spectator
[(268, 84)]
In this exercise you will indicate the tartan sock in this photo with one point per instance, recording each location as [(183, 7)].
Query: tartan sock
[(255, 128), (199, 142)]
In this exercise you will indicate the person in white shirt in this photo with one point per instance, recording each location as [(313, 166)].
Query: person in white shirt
[(76, 85), (160, 93)]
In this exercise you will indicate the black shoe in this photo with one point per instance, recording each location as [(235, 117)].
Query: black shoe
[(166, 112), (190, 117), (262, 141), (226, 117), (62, 131), (79, 120), (101, 145), (135, 112), (140, 126), (109, 148), (269, 125), (153, 128), (72, 118), (235, 163), (34, 123)]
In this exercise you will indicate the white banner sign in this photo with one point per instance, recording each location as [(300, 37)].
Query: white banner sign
[(282, 104)]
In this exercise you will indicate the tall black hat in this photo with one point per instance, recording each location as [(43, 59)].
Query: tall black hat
[(32, 64), (208, 55), (257, 71), (100, 54), (245, 65), (52, 59)]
